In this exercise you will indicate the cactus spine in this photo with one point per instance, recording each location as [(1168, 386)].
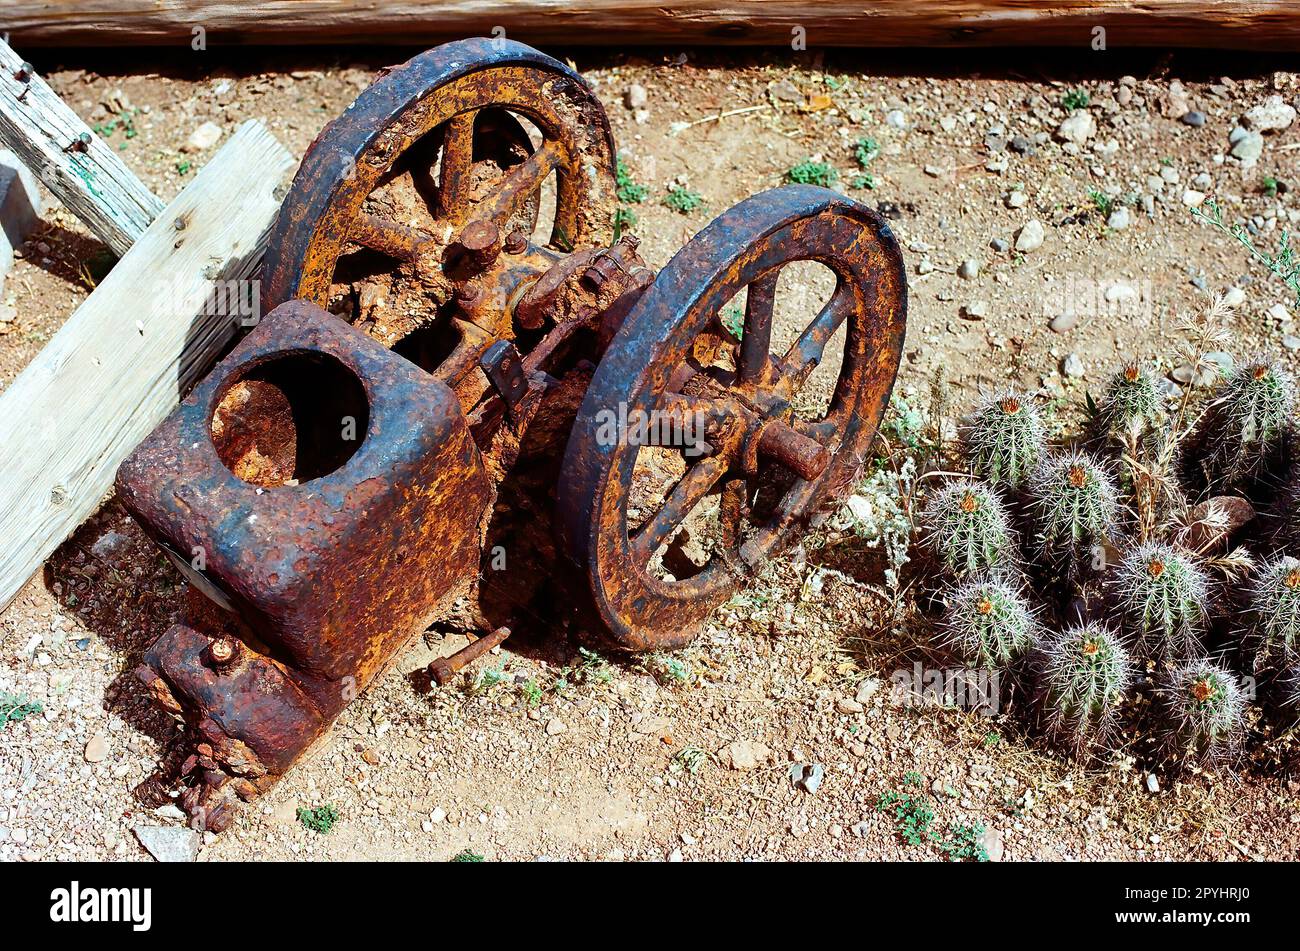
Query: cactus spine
[(1082, 673), (987, 624), (1203, 709), (1004, 439), (967, 529), (1164, 599)]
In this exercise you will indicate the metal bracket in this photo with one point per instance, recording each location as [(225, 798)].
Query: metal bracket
[(504, 368)]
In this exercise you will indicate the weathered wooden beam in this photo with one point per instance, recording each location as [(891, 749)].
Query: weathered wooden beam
[(1235, 24), (118, 365), (82, 171)]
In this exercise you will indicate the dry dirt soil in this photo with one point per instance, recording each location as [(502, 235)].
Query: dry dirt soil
[(574, 758)]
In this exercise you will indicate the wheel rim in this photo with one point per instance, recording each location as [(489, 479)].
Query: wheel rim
[(745, 248), (430, 102)]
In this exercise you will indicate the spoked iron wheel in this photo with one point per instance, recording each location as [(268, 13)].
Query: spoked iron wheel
[(431, 169), (767, 465)]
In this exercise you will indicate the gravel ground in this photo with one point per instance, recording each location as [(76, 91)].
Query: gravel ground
[(796, 669)]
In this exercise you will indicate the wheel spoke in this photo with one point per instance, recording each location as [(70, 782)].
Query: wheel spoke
[(806, 352), (457, 161), (692, 487), (396, 240), (731, 510), (520, 182), (757, 338)]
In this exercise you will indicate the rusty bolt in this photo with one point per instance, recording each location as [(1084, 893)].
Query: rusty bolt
[(223, 650), (442, 670), (24, 72), (469, 294), (480, 242), (516, 242)]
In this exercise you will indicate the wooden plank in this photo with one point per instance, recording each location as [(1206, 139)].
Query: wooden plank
[(118, 365), (1236, 24), (81, 170)]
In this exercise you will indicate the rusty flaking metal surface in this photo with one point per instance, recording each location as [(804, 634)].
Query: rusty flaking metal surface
[(426, 402), (641, 370)]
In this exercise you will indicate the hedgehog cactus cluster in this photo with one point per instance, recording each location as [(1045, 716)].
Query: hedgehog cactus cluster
[(1131, 407), (1004, 439), (987, 624), (1075, 510), (1247, 426), (1164, 600), (1059, 564), (1083, 671), (967, 529)]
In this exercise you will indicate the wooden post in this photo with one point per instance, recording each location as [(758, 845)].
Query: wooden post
[(777, 24), (118, 365), (83, 173)]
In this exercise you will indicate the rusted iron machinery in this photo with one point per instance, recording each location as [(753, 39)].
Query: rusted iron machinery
[(466, 405)]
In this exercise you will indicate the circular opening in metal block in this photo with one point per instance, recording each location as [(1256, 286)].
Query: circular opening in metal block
[(291, 419)]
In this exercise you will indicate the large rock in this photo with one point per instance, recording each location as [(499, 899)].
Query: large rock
[(1248, 148), (993, 845)]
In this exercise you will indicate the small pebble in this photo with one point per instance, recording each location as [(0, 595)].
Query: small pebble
[(97, 748), (635, 97), (204, 137), (1064, 323), (1030, 237), (1021, 146)]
